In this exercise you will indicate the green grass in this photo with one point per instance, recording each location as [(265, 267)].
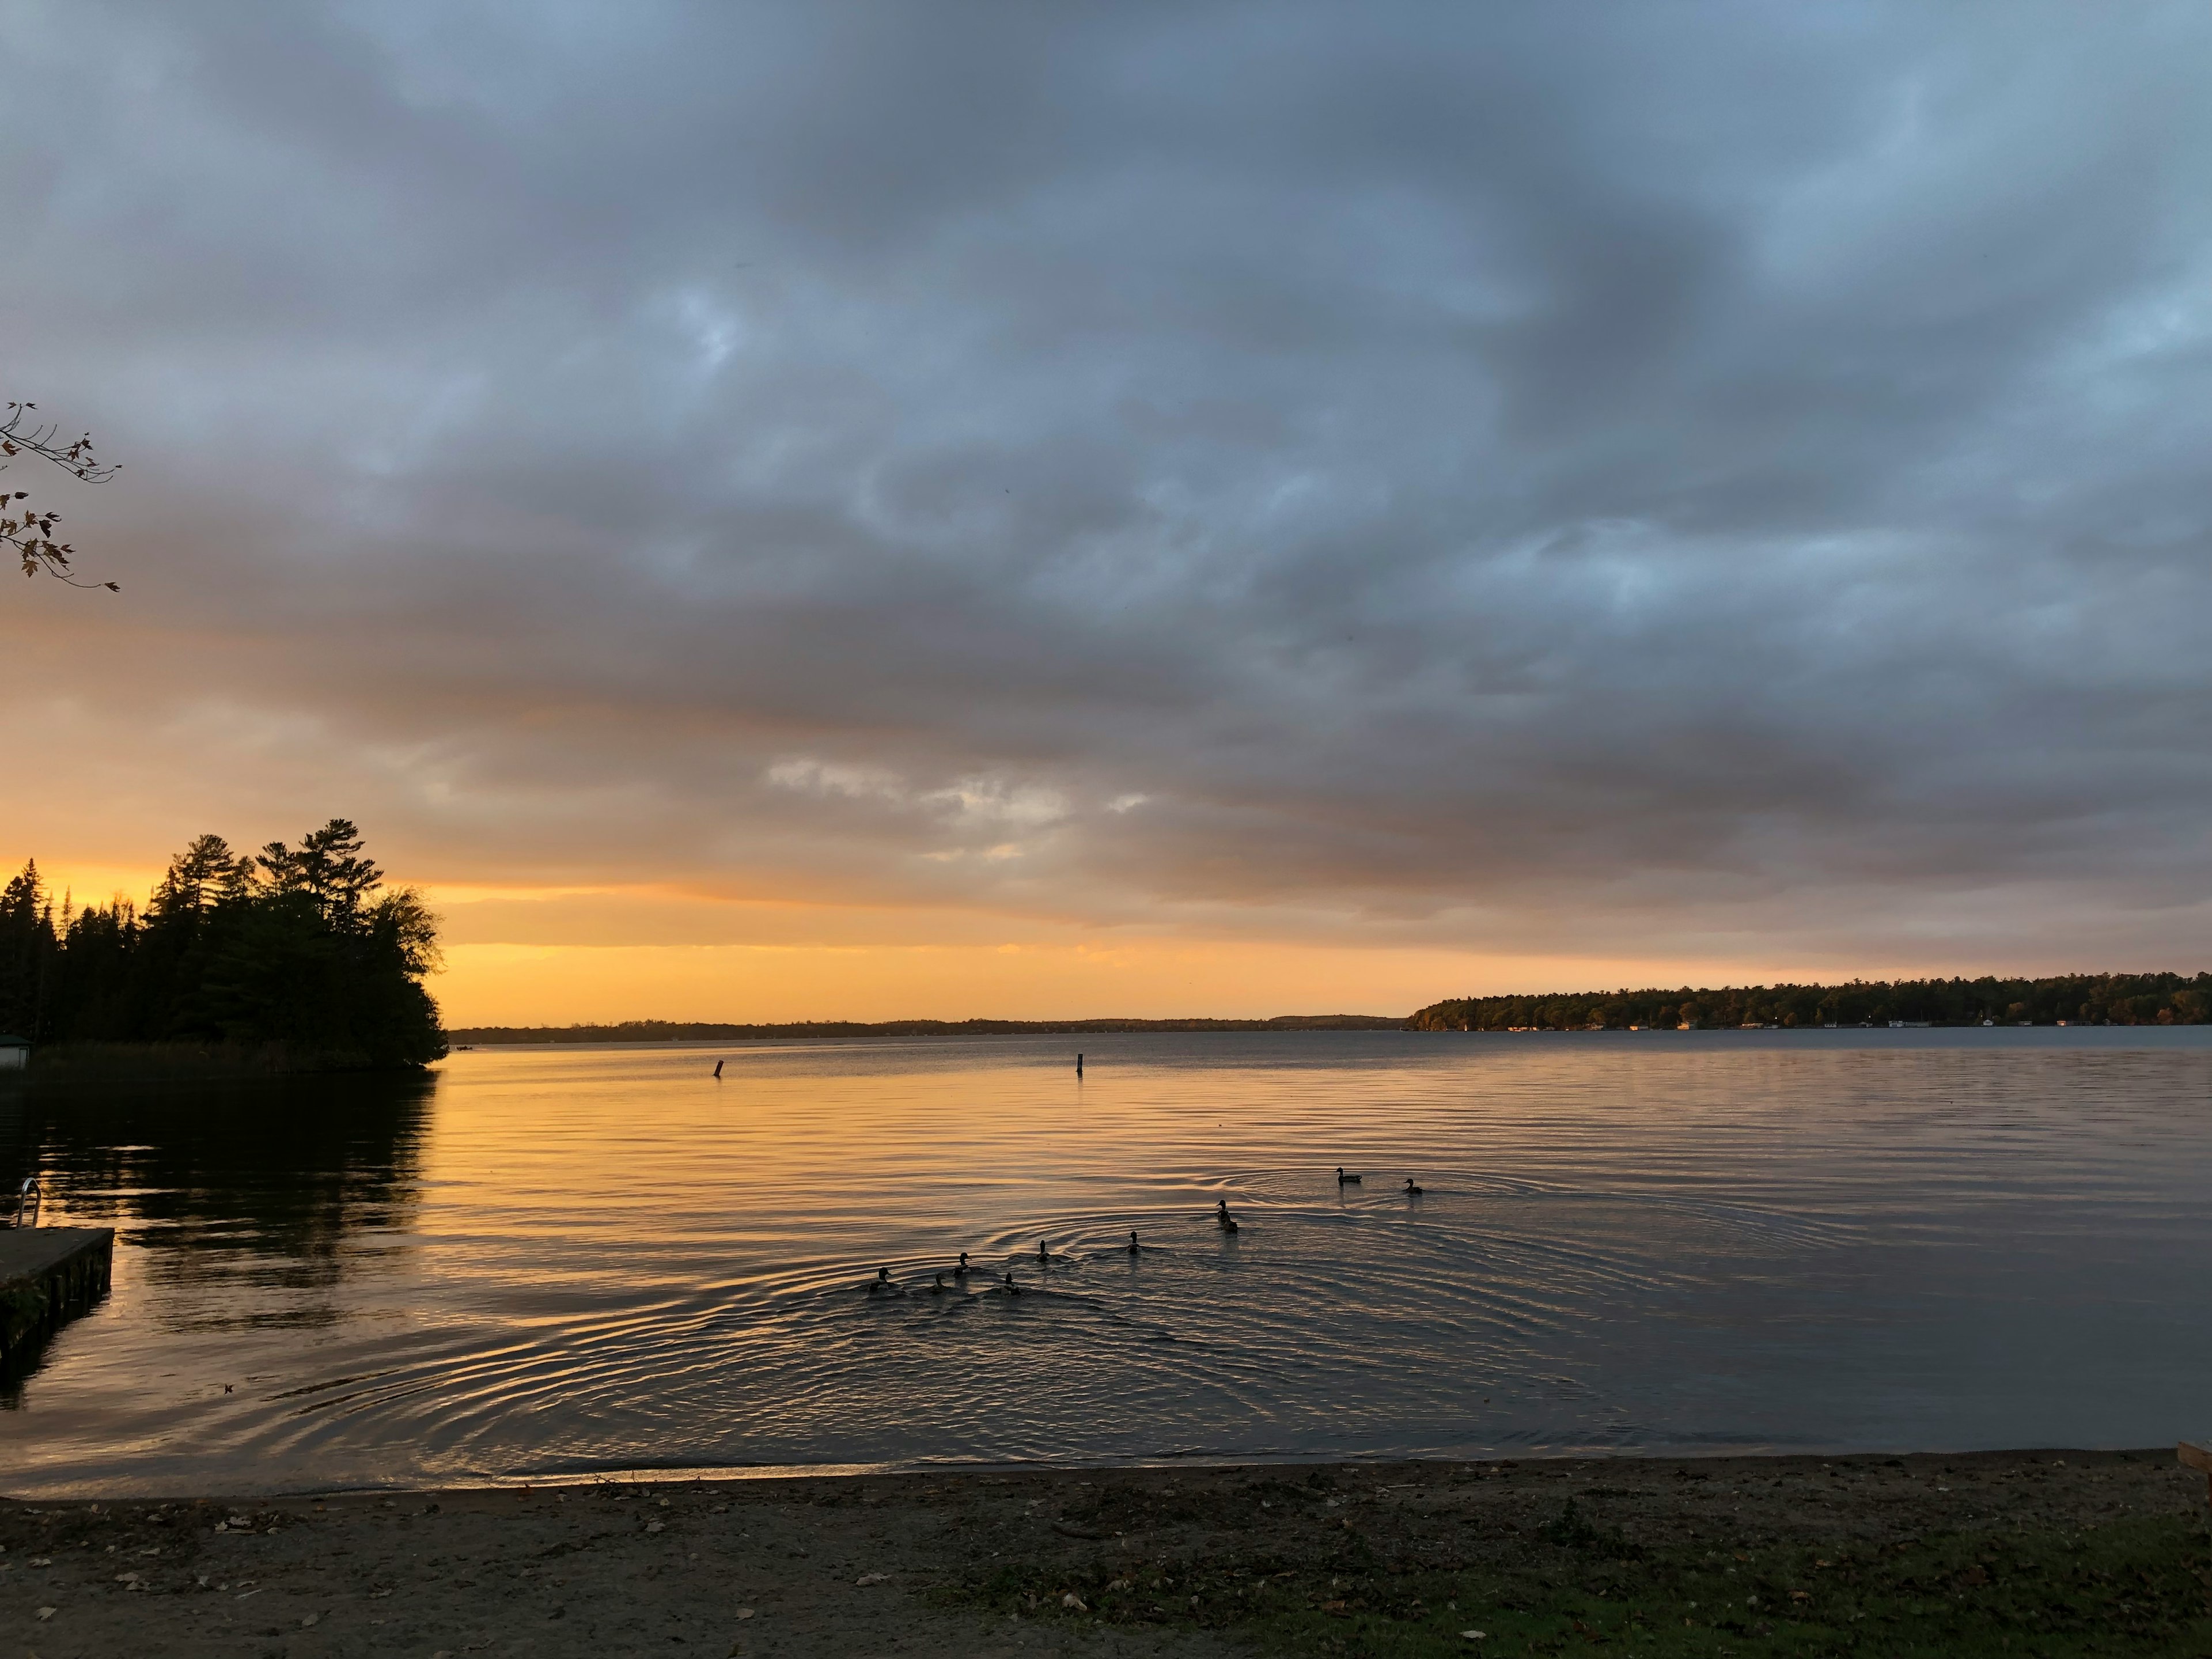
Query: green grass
[(2137, 1587)]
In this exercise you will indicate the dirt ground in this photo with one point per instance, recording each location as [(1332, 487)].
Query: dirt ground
[(848, 1565)]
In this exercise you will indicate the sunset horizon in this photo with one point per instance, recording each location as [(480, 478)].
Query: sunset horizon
[(1006, 830), (1147, 538), (511, 959)]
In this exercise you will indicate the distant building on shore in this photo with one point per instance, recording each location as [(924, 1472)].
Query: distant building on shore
[(14, 1053)]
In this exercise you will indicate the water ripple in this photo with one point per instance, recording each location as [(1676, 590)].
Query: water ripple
[(571, 1259)]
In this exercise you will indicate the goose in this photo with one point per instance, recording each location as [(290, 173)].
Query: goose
[(1344, 1180), (961, 1272), (1413, 1190)]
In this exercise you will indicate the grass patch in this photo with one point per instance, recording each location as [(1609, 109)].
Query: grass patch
[(2136, 1587)]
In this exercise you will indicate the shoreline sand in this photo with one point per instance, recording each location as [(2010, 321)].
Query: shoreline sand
[(975, 1564)]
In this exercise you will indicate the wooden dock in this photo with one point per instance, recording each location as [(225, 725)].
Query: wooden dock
[(45, 1273)]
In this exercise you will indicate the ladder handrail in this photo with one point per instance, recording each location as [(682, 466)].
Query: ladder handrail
[(33, 1195)]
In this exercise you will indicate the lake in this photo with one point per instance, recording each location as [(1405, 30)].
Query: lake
[(552, 1260)]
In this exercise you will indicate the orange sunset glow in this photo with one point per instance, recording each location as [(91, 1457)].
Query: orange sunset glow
[(1035, 573)]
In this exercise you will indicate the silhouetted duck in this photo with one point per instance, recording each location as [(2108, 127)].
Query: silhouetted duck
[(1044, 1255), (881, 1285), (1012, 1289), (1133, 1241), (1344, 1180), (1411, 1190), (961, 1272), (1221, 1214), (938, 1289)]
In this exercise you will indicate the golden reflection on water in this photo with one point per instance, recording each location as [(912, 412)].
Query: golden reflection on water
[(556, 1259)]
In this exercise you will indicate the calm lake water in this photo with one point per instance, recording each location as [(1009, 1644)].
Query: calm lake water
[(558, 1261)]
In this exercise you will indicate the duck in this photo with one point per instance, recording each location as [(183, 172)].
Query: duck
[(1221, 1215), (1044, 1255), (961, 1272), (1412, 1188), (1133, 1241), (1344, 1180), (881, 1285), (1012, 1289), (939, 1288)]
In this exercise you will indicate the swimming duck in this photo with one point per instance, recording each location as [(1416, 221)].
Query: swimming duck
[(938, 1289), (1012, 1289), (1344, 1180), (1221, 1214), (961, 1272), (881, 1285), (1044, 1255), (1133, 1241), (1412, 1189)]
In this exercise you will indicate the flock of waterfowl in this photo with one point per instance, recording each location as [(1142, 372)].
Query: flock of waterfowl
[(884, 1285)]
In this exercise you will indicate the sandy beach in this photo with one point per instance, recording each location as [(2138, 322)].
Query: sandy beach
[(1186, 1561)]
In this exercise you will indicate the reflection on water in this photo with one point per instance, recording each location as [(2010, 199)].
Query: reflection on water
[(563, 1260), (249, 1200)]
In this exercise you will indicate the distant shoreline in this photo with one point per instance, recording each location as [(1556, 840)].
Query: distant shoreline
[(2152, 999), (656, 1030)]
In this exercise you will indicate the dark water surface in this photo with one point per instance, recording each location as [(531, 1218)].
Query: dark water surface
[(545, 1260)]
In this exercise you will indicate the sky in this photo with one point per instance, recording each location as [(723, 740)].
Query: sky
[(772, 511)]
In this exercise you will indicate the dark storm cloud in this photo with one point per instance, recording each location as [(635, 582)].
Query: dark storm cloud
[(1707, 478)]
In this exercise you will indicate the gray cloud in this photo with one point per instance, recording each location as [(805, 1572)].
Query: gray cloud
[(1715, 479)]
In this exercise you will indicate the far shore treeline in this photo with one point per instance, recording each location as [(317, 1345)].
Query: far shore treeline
[(662, 1031), (2071, 999), (292, 959)]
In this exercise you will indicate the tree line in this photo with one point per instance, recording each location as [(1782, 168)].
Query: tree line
[(301, 948), (665, 1030), (2073, 999)]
